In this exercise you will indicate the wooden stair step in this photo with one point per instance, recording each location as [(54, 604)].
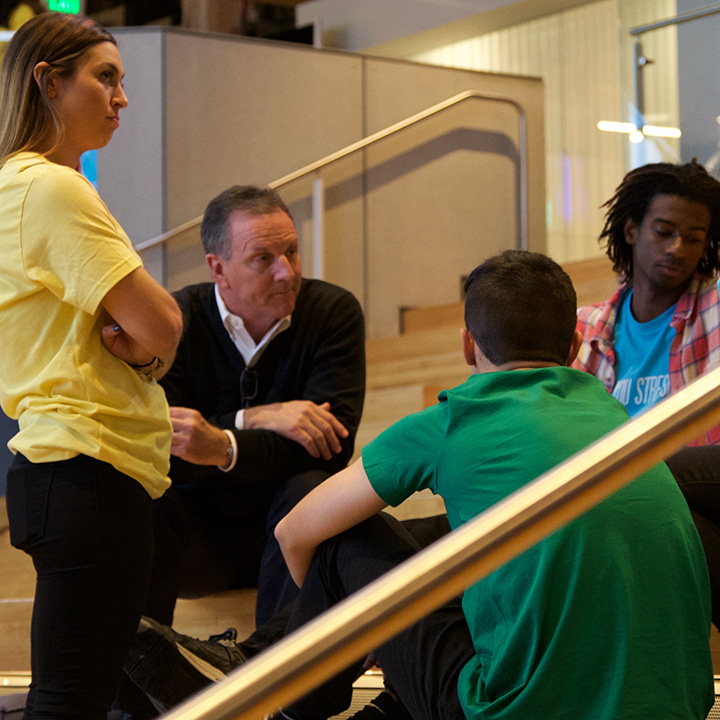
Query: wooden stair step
[(413, 345), (392, 402), (594, 281), (428, 318), (446, 369)]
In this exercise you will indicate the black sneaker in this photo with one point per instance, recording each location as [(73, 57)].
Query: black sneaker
[(170, 667), (384, 707)]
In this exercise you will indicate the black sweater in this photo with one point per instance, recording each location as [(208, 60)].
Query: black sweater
[(320, 357)]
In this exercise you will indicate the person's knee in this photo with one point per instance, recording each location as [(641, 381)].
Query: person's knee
[(696, 465), (298, 486), (291, 492), (367, 550), (425, 531)]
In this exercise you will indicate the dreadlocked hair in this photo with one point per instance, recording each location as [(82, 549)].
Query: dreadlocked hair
[(633, 197)]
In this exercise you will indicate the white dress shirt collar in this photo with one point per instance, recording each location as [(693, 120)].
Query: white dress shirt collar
[(243, 341)]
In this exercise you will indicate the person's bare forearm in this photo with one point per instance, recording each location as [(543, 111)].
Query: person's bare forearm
[(156, 367), (337, 504), (311, 425), (149, 319), (123, 346)]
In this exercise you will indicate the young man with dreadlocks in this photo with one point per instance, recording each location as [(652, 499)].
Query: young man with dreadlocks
[(661, 328)]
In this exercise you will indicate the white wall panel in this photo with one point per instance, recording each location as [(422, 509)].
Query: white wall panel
[(576, 52), (251, 112), (130, 168), (245, 112), (660, 77), (698, 63), (429, 224)]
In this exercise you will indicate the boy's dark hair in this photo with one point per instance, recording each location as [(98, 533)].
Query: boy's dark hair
[(247, 199), (632, 200), (521, 305)]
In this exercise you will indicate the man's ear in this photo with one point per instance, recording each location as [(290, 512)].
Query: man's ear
[(707, 249), (575, 346), (631, 231), (468, 347), (217, 269)]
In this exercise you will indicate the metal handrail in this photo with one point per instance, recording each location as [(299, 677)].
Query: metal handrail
[(639, 59), (345, 633), (677, 20), (381, 135)]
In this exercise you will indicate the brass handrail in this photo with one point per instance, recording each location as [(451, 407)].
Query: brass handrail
[(381, 135), (345, 633)]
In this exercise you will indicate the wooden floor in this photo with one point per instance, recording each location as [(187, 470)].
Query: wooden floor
[(17, 582)]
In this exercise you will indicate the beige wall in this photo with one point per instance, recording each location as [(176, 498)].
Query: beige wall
[(444, 195), (405, 220), (582, 51)]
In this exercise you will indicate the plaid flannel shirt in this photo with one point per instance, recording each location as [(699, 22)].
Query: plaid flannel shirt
[(695, 348)]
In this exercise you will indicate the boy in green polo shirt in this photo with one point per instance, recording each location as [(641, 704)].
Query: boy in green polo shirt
[(607, 618)]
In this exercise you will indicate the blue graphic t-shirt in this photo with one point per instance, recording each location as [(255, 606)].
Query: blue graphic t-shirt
[(642, 358)]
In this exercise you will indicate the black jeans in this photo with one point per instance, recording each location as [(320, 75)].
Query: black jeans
[(210, 538), (421, 663), (423, 531), (697, 472), (88, 529)]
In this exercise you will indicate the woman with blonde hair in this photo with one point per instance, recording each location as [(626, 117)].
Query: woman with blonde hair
[(86, 332)]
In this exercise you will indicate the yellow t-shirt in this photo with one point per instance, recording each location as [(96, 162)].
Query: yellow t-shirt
[(61, 252)]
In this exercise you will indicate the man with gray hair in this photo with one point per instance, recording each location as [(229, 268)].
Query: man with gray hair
[(265, 397)]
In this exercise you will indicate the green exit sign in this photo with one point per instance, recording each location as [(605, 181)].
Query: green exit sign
[(66, 6)]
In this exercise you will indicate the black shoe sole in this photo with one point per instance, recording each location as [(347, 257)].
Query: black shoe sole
[(167, 672)]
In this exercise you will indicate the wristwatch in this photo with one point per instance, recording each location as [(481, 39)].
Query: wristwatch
[(230, 452)]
